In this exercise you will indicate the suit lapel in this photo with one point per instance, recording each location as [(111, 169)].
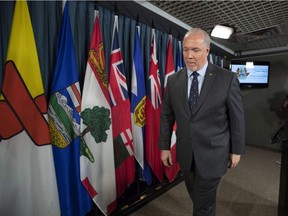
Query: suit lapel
[(208, 81), (183, 92)]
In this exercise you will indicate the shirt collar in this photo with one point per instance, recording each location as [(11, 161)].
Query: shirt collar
[(201, 72)]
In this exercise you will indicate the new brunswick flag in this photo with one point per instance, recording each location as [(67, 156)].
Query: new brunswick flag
[(97, 154), (27, 174)]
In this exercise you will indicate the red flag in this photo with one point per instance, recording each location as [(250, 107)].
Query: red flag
[(153, 110), (121, 118), (12, 109), (171, 172)]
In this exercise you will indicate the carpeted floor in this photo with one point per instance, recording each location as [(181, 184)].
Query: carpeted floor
[(251, 189)]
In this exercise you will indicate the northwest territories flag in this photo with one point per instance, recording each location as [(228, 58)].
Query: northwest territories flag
[(64, 123), (97, 154), (27, 173), (121, 118)]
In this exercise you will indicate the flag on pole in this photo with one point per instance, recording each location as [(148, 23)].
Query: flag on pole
[(171, 172), (27, 174), (64, 122), (138, 102), (153, 110), (121, 117), (97, 154), (211, 58), (179, 57)]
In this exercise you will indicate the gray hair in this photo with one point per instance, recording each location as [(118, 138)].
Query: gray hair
[(207, 38)]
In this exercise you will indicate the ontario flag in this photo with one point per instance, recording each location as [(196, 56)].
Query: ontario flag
[(153, 110), (121, 118), (171, 172), (27, 174), (138, 103), (64, 123), (97, 152)]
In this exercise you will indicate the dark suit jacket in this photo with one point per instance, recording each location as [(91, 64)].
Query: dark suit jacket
[(214, 129)]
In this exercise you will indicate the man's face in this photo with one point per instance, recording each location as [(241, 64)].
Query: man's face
[(195, 51)]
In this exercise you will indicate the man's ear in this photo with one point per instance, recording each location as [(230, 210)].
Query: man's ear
[(208, 50)]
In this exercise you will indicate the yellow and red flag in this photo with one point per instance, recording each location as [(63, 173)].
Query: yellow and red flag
[(27, 184)]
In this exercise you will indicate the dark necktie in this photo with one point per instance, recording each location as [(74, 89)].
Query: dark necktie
[(193, 96)]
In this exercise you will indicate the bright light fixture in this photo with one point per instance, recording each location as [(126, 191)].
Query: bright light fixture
[(221, 31), (249, 65)]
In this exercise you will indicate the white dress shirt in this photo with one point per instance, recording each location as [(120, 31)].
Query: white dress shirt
[(201, 76)]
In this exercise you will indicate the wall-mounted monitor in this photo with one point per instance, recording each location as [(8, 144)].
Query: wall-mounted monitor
[(251, 73)]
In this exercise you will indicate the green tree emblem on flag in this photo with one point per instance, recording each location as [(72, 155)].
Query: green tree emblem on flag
[(98, 121)]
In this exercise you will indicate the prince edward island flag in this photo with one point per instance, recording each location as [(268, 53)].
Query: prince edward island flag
[(97, 154)]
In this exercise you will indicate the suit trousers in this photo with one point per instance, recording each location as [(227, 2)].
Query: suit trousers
[(202, 192)]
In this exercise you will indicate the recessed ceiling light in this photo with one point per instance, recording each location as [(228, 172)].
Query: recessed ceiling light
[(221, 31)]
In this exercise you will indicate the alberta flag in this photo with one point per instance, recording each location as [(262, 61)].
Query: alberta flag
[(138, 103), (27, 174), (153, 110), (64, 123), (121, 118), (171, 172), (97, 154)]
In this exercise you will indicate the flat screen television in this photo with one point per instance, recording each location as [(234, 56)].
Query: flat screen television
[(251, 74)]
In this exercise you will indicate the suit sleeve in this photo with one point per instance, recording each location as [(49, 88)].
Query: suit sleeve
[(236, 117), (167, 119)]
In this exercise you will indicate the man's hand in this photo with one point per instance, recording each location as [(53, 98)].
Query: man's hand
[(234, 160), (166, 158)]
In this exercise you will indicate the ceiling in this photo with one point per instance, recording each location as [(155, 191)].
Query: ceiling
[(261, 27)]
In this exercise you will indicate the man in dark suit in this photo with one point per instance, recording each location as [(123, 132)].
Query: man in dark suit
[(210, 129)]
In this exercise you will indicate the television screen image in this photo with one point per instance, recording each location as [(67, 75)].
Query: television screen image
[(251, 75)]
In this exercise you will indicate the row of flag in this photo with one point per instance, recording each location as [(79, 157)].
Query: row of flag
[(97, 135)]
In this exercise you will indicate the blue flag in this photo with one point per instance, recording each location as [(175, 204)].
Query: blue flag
[(64, 123), (138, 101), (179, 62)]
